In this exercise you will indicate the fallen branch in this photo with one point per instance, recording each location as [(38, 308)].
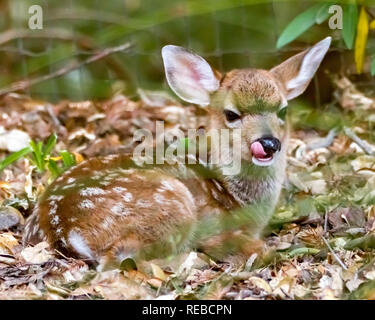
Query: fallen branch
[(325, 223), (367, 148), (334, 254), (323, 142), (25, 84)]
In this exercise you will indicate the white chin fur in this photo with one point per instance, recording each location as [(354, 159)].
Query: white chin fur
[(263, 163)]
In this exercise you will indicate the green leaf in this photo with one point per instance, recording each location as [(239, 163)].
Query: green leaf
[(51, 142), (299, 25), (350, 21), (364, 292), (53, 168), (128, 264), (373, 65), (67, 158), (303, 251), (365, 243), (323, 13), (37, 155), (14, 157)]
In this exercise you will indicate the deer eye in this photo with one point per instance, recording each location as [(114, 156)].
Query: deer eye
[(231, 116), (282, 113)]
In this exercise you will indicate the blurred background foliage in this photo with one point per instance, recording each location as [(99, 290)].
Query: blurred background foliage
[(228, 33)]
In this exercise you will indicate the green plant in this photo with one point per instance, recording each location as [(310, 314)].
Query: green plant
[(356, 26), (40, 156)]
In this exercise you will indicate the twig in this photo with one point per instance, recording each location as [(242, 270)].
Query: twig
[(325, 222), (24, 84), (368, 148), (334, 254), (23, 52), (323, 142), (13, 34), (55, 120), (82, 41), (286, 294)]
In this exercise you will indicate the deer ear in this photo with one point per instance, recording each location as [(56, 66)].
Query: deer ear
[(297, 72), (189, 75)]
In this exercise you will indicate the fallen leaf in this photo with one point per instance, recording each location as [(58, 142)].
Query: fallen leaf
[(10, 217), (7, 242), (154, 282), (37, 254), (260, 283), (13, 140), (158, 272)]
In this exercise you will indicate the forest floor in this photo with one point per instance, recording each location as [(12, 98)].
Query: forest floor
[(323, 231)]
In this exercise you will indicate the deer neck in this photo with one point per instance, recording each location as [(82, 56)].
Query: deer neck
[(254, 185)]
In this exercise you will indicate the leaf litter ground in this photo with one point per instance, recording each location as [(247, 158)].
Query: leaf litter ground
[(322, 234)]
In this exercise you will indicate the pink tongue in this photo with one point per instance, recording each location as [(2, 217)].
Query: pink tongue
[(257, 150)]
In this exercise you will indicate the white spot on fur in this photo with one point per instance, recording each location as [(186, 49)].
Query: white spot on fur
[(143, 203), (119, 189), (55, 220), (79, 244), (71, 180), (159, 198), (167, 186), (127, 197), (55, 198), (107, 223), (53, 208), (68, 186), (126, 171), (89, 192), (86, 204), (112, 176), (119, 209)]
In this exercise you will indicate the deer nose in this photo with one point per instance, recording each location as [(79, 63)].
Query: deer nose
[(270, 144)]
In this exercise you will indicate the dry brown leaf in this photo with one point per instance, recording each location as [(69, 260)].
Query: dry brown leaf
[(7, 242), (158, 272), (260, 283), (10, 217), (38, 254), (312, 236)]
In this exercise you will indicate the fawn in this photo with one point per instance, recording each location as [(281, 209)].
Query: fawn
[(109, 209)]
